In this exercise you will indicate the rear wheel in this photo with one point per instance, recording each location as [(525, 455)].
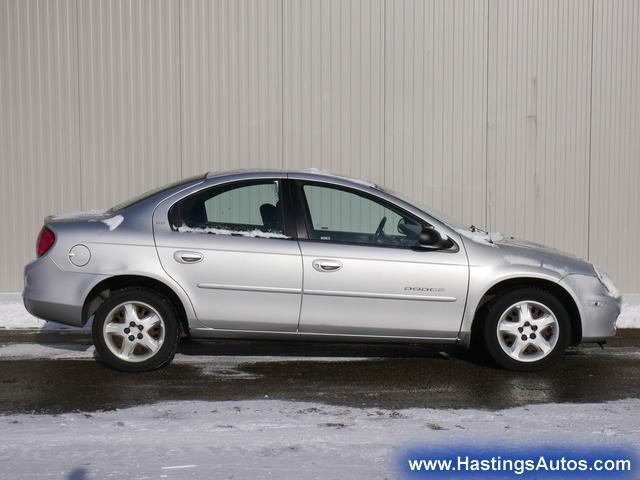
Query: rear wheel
[(526, 329), (136, 330)]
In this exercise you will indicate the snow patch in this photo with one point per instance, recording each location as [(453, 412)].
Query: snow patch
[(13, 315), (285, 440), (222, 231), (528, 261), (77, 214), (481, 237), (630, 315), (358, 181), (113, 222)]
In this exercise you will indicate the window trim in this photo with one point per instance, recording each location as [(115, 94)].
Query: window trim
[(284, 198), (306, 215)]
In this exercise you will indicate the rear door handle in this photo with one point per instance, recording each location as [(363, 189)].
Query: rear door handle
[(322, 265), (187, 257)]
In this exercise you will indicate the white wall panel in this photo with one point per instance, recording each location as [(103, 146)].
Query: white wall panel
[(333, 84), (538, 137), (129, 97), (435, 106), (519, 115), (39, 139), (615, 155), (231, 73)]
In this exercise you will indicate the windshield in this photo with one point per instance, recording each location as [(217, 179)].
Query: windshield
[(152, 192), (443, 217)]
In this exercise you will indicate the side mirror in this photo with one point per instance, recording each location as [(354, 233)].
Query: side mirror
[(430, 239)]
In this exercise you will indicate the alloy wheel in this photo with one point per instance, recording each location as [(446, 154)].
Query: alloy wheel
[(134, 331), (528, 331)]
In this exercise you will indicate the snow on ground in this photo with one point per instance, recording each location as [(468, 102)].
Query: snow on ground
[(268, 439), (14, 316), (630, 315)]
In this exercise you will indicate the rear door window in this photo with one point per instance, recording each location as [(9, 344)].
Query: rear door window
[(248, 209)]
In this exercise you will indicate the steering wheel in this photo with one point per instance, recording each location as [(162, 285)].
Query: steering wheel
[(377, 237)]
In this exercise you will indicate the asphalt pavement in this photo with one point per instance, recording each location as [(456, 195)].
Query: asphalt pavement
[(360, 375)]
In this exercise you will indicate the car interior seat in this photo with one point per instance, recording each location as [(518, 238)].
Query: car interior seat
[(271, 217)]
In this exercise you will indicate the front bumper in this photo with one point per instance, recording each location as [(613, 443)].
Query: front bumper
[(56, 295), (599, 311)]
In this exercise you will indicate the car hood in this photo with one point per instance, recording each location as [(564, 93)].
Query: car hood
[(534, 247), (524, 253)]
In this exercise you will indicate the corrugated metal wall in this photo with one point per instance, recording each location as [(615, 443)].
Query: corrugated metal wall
[(614, 200), (519, 115)]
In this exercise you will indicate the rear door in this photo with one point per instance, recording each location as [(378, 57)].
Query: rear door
[(363, 274), (227, 246)]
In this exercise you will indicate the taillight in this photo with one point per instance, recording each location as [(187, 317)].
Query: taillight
[(45, 240)]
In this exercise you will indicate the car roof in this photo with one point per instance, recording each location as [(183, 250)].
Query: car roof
[(312, 172)]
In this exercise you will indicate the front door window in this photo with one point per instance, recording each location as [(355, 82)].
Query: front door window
[(337, 215)]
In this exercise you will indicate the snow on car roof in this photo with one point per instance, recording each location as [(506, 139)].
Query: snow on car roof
[(310, 171)]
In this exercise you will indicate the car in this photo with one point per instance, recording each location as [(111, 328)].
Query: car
[(306, 255)]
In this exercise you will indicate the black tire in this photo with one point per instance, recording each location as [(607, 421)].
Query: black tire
[(164, 308), (501, 304)]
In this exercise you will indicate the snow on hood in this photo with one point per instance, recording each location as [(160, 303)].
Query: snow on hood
[(481, 237), (222, 231), (496, 239), (522, 252), (516, 242)]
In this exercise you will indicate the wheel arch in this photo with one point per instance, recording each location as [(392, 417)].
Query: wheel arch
[(102, 290), (507, 285)]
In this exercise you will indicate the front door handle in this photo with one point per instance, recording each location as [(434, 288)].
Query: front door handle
[(322, 265), (188, 257)]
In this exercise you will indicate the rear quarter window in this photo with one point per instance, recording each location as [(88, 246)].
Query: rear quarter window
[(155, 191)]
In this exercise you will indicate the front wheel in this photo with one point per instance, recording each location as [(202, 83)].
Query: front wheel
[(526, 329), (135, 330)]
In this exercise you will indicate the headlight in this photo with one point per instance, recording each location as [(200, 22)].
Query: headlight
[(607, 283)]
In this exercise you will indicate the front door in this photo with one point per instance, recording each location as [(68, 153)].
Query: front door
[(364, 276), (228, 250)]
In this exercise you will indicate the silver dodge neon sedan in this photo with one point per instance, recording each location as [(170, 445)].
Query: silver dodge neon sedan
[(307, 256)]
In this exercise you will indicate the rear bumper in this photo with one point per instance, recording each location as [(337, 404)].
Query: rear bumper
[(54, 312), (56, 295)]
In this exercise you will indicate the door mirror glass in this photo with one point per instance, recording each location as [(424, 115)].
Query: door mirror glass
[(431, 239), (409, 228)]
